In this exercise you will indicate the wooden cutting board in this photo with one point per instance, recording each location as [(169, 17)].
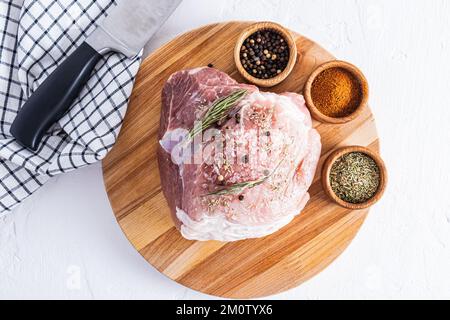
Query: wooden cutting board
[(246, 269)]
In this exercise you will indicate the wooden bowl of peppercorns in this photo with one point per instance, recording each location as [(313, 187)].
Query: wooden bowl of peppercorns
[(265, 54)]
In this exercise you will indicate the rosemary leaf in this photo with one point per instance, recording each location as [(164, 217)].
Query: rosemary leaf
[(239, 187), (217, 112)]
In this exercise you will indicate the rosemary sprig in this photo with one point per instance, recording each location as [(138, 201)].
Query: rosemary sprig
[(217, 112), (239, 187)]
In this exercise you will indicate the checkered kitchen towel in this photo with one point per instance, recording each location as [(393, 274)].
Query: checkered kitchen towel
[(35, 37)]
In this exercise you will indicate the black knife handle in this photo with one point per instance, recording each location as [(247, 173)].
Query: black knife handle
[(54, 97)]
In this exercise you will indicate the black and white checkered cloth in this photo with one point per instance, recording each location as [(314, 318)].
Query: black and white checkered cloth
[(35, 37)]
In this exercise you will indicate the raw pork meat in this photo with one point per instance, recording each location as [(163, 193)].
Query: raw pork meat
[(268, 144)]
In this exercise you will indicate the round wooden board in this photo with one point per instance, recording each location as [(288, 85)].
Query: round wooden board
[(245, 269)]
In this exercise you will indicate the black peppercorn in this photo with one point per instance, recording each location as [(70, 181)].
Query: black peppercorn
[(264, 54), (241, 197)]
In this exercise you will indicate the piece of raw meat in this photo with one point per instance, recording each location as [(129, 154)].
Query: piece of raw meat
[(268, 144)]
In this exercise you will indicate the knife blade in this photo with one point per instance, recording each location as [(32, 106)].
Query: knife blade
[(128, 27), (120, 30)]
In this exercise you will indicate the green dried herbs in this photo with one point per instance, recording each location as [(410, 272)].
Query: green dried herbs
[(355, 177)]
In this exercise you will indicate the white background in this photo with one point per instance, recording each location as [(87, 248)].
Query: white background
[(65, 243)]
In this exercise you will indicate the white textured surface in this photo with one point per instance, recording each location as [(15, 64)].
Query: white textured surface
[(64, 242)]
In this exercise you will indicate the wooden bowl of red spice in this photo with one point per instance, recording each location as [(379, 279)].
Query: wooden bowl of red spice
[(265, 54), (336, 92), (354, 177)]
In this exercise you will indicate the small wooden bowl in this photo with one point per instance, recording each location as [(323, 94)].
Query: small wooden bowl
[(316, 113), (326, 170), (292, 53)]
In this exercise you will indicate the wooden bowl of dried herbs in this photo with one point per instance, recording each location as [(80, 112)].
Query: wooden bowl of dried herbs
[(336, 92), (354, 177), (265, 54)]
